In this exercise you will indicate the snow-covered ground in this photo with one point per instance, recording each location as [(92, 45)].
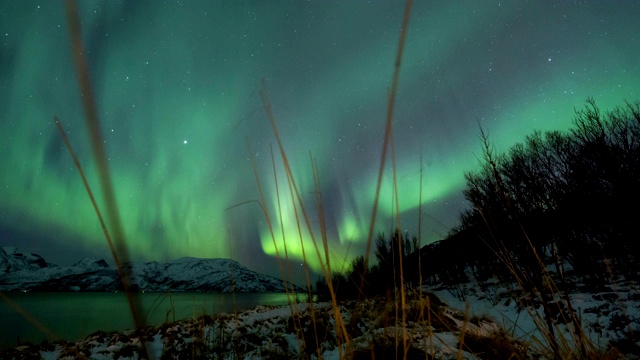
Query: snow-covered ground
[(263, 332), (481, 314), (610, 313), (484, 316)]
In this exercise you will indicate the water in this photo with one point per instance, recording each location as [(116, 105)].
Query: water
[(35, 317)]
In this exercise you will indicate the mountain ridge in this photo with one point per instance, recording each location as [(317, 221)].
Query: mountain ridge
[(24, 271)]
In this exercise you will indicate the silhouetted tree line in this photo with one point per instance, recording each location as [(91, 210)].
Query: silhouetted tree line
[(393, 253), (569, 196), (558, 196)]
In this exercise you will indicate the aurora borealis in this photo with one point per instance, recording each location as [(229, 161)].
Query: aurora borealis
[(178, 89)]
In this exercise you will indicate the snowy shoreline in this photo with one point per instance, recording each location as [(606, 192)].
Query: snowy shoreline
[(267, 331)]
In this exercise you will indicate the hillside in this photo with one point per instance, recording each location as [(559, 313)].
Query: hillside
[(23, 271)]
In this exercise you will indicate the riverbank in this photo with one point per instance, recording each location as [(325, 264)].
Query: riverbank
[(272, 331), (468, 322)]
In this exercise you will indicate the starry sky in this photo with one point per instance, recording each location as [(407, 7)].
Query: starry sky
[(178, 85)]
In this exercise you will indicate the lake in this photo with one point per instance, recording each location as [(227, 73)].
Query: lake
[(35, 317)]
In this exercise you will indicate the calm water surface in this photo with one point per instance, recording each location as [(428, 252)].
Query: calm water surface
[(36, 317)]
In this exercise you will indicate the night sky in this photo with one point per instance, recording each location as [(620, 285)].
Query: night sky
[(178, 88)]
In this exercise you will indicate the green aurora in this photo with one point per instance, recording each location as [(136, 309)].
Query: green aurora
[(178, 90)]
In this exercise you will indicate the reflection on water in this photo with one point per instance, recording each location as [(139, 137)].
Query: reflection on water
[(72, 316)]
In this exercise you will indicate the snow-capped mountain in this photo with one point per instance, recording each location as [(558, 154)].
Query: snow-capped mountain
[(12, 259), (20, 271), (91, 263)]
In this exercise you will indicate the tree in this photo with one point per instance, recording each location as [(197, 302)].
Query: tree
[(561, 191)]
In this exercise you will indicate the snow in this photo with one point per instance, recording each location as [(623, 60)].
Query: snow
[(20, 271), (91, 263), (13, 259), (267, 331), (595, 310), (607, 313)]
